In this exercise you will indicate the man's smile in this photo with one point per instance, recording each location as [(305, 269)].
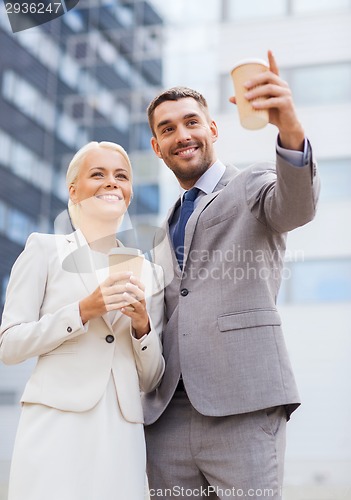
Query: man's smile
[(186, 152)]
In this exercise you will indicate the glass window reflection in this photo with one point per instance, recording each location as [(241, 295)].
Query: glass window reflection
[(239, 10), (336, 179), (300, 6), (317, 281), (19, 226), (146, 199), (327, 84), (311, 86)]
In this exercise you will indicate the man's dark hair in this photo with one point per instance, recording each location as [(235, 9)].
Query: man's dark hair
[(174, 94)]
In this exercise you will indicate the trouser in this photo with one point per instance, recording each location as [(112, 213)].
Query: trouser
[(190, 455)]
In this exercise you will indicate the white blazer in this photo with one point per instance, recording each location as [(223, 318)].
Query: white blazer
[(41, 318)]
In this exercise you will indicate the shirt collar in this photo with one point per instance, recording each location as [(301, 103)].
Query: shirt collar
[(209, 179)]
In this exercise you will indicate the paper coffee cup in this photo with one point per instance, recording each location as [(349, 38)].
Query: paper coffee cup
[(242, 72), (124, 259)]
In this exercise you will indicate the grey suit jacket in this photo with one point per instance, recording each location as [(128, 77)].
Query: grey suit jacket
[(223, 331)]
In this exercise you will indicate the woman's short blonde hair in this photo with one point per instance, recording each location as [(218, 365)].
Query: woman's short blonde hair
[(76, 162)]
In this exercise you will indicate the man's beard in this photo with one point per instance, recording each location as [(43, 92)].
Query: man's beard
[(192, 172)]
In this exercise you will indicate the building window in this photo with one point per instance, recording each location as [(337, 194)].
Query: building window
[(336, 179), (28, 100), (19, 226), (123, 68), (237, 10), (120, 116), (42, 47), (303, 6), (327, 84), (2, 216), (42, 175), (24, 163), (310, 85), (59, 185), (31, 41), (142, 136), (146, 199), (106, 51), (148, 43), (69, 70), (317, 281), (4, 20), (226, 90), (5, 148), (16, 226), (67, 130), (49, 53), (125, 15), (185, 12), (74, 20)]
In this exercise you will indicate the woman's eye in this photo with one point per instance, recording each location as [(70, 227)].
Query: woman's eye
[(97, 174)]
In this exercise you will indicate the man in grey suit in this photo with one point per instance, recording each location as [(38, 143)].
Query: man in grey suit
[(215, 427)]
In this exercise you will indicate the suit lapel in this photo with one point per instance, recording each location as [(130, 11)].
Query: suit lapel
[(174, 260), (164, 251), (80, 261), (205, 201), (228, 175), (189, 233), (192, 222)]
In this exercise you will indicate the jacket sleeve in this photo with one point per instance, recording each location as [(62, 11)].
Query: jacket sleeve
[(283, 197), (24, 331), (148, 351)]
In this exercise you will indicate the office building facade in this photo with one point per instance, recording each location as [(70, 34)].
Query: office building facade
[(87, 75), (311, 40)]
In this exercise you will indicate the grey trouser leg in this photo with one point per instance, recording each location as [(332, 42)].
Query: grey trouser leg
[(194, 456)]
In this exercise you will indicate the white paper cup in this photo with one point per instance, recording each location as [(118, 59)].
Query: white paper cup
[(124, 259), (242, 72)]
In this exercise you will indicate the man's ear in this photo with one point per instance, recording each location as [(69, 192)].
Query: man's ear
[(155, 147), (214, 130)]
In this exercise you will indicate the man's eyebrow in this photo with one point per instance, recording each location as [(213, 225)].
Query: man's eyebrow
[(191, 115), (162, 123), (185, 117)]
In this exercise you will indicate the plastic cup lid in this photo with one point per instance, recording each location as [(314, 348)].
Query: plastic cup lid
[(250, 61)]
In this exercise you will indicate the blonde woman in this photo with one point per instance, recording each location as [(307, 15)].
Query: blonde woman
[(80, 435)]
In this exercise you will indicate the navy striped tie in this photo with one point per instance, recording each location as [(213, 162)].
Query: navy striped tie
[(186, 210)]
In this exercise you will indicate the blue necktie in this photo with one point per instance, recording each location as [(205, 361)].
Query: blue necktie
[(186, 210)]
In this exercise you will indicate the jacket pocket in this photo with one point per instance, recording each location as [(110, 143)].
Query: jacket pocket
[(220, 218), (248, 319), (67, 347)]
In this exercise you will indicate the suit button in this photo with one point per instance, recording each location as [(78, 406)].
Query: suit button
[(184, 292), (109, 339), (144, 348), (69, 329)]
